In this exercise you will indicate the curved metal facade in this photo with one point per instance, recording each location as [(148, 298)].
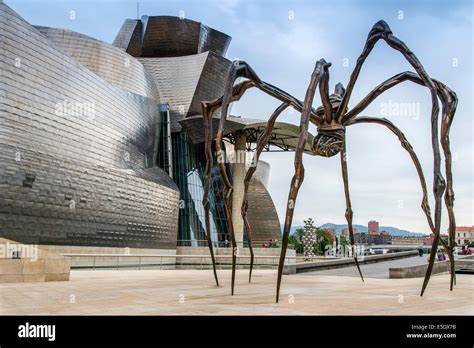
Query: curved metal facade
[(262, 215), (107, 61), (76, 159), (81, 130), (166, 36), (183, 82)]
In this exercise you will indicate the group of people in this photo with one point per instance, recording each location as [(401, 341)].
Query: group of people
[(441, 256), (271, 243), (466, 250)]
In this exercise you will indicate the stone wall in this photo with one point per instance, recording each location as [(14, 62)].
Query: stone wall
[(43, 267)]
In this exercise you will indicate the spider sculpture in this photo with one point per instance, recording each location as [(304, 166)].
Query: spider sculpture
[(331, 120)]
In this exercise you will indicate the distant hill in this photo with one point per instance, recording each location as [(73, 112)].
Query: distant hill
[(393, 231)]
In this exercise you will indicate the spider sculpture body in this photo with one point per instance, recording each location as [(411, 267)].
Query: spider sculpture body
[(332, 120)]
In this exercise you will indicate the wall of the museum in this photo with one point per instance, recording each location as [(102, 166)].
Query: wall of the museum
[(262, 214), (107, 61), (183, 82), (76, 152)]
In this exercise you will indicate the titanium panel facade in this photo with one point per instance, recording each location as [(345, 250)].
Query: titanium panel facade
[(76, 159), (262, 215), (107, 61), (166, 36), (125, 34), (81, 130), (183, 82)]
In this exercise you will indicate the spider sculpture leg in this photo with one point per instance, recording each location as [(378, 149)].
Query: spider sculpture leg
[(328, 114), (382, 31), (348, 206), (237, 70), (207, 179), (233, 93), (320, 68), (407, 146), (261, 142), (208, 109), (449, 102)]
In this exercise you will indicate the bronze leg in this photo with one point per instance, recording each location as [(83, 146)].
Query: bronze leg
[(449, 102), (381, 30), (207, 180), (238, 69), (348, 205), (234, 93), (261, 142), (321, 67)]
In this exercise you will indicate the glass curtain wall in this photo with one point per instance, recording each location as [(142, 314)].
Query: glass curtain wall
[(164, 140), (188, 173)]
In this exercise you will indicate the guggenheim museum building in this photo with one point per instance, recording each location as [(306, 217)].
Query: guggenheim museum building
[(101, 145)]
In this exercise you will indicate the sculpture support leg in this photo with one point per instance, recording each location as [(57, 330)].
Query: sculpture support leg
[(207, 180), (228, 189), (449, 102), (261, 142), (321, 67), (233, 93), (381, 30), (407, 146), (424, 205), (348, 206)]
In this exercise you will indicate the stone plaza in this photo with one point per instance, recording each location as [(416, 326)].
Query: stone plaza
[(193, 292)]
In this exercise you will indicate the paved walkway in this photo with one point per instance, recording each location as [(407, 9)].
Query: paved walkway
[(190, 292), (372, 270)]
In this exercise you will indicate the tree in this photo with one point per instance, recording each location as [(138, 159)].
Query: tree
[(299, 233), (324, 238), (343, 241), (295, 240)]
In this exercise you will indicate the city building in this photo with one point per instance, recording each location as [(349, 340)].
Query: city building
[(428, 240), (370, 239), (405, 240), (464, 235), (373, 227), (101, 145), (345, 231)]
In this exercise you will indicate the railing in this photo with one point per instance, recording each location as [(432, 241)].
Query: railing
[(164, 261), (227, 243)]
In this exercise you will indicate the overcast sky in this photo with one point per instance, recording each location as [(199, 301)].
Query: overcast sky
[(282, 41)]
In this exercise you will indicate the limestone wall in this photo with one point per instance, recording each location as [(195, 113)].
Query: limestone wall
[(34, 264)]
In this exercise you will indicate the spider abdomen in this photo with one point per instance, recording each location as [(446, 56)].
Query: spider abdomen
[(328, 143)]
